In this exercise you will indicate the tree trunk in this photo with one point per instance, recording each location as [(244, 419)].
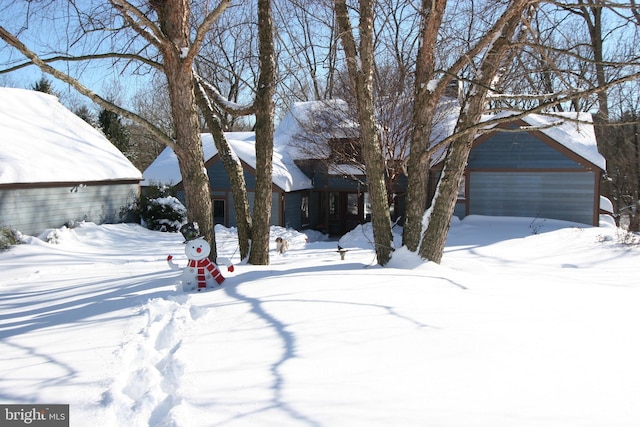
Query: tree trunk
[(173, 16), (435, 235), (425, 103), (265, 112), (234, 170), (361, 76)]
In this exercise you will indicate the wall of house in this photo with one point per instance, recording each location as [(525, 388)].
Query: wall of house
[(519, 174), (275, 207), (518, 150), (230, 214), (292, 215), (221, 189), (219, 179), (32, 209)]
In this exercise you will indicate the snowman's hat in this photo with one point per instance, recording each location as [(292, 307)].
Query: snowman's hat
[(190, 231)]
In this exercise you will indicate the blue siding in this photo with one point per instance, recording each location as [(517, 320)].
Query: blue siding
[(275, 208), (220, 184), (519, 150), (32, 210), (292, 210), (566, 196), (460, 210), (340, 183), (219, 179), (322, 180)]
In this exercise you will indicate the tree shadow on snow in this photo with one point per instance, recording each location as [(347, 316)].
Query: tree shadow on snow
[(289, 342), (77, 304)]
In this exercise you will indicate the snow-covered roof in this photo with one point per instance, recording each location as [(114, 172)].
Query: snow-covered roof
[(304, 131), (572, 130), (307, 126), (286, 174), (42, 141)]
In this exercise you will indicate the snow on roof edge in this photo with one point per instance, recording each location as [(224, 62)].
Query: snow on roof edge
[(286, 175)]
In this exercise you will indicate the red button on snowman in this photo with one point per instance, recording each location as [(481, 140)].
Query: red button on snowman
[(200, 273)]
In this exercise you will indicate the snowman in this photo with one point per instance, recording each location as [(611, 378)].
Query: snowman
[(200, 273)]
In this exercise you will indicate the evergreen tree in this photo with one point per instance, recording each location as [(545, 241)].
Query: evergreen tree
[(44, 85), (111, 125), (85, 114)]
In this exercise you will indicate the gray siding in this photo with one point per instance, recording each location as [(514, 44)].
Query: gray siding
[(31, 210), (275, 208), (219, 179), (460, 210), (559, 195), (519, 150), (292, 210), (221, 188)]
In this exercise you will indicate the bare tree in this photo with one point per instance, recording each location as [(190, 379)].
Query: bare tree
[(360, 60), (306, 42), (425, 104), (231, 164), (168, 45), (265, 112), (228, 62), (433, 242)]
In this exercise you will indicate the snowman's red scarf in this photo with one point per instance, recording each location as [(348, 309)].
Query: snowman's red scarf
[(203, 264)]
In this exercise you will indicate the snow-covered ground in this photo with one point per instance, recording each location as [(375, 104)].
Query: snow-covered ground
[(525, 323)]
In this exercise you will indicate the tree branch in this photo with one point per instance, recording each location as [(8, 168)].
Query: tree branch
[(143, 25), (65, 58), (227, 106), (33, 57), (204, 28)]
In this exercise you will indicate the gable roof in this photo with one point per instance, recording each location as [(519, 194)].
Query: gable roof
[(573, 130), (305, 129), (286, 174), (42, 141)]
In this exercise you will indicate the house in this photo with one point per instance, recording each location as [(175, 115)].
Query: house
[(55, 168), (322, 140), (539, 166), (290, 189)]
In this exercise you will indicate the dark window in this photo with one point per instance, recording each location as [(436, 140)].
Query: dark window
[(334, 204), (304, 210), (352, 203), (218, 211)]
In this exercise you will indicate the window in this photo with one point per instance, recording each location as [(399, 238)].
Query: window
[(462, 189), (367, 207), (352, 204), (219, 211), (334, 202), (304, 210)]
